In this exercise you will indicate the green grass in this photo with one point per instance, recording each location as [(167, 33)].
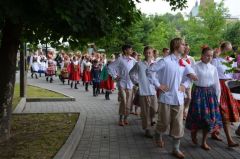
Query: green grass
[(33, 92), (37, 136)]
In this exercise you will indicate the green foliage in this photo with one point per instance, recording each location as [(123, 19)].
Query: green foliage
[(232, 33), (206, 29)]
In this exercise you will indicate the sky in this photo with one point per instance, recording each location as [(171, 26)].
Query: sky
[(161, 7)]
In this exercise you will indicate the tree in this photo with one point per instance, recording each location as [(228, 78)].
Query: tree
[(232, 33), (207, 28), (75, 21)]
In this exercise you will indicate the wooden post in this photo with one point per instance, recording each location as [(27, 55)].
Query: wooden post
[(23, 77)]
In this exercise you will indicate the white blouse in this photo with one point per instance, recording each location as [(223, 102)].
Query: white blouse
[(207, 77), (221, 68)]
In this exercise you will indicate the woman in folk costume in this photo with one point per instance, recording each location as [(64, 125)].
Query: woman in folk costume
[(34, 63), (51, 67), (42, 65), (74, 72), (108, 81), (187, 99), (229, 107), (204, 113), (65, 69), (87, 72), (147, 93)]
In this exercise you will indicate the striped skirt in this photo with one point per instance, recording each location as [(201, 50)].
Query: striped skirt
[(229, 107), (204, 110)]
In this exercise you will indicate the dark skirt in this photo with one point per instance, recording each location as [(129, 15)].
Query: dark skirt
[(229, 107), (204, 112)]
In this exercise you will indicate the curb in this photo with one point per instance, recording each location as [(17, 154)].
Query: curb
[(20, 107), (49, 99), (67, 96), (69, 147)]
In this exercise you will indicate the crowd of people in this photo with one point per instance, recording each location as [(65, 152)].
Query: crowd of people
[(167, 89)]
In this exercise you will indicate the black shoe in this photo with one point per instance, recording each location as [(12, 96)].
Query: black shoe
[(32, 75), (47, 79), (72, 85), (75, 86), (51, 80)]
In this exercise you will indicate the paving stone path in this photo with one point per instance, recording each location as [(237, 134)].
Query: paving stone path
[(104, 139)]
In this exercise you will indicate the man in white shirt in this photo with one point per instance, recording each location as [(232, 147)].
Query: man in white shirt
[(147, 92), (170, 73), (119, 70)]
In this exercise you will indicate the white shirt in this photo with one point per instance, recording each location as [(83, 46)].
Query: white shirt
[(170, 73), (138, 76), (120, 68), (221, 68), (207, 77)]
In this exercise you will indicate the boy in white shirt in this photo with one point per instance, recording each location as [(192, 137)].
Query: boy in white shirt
[(147, 92), (170, 73), (119, 70)]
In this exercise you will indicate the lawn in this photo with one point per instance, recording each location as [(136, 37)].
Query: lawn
[(33, 92), (37, 136)]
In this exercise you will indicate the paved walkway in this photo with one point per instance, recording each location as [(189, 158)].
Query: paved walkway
[(103, 138)]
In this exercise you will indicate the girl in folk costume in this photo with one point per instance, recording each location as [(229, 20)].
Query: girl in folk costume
[(237, 66), (119, 70), (34, 63), (95, 73), (103, 62), (204, 110), (51, 67), (87, 72), (42, 65), (108, 81), (74, 72), (169, 79), (229, 107), (147, 93), (65, 69), (187, 99)]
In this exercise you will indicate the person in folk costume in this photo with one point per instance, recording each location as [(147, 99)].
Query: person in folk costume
[(204, 112), (34, 63), (122, 66), (42, 65), (51, 67), (103, 62), (237, 66), (190, 60), (169, 79), (133, 108), (147, 93), (87, 72), (74, 72), (229, 107), (65, 69), (95, 73), (79, 57), (108, 81)]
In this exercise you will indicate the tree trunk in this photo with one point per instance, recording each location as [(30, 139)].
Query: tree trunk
[(8, 51)]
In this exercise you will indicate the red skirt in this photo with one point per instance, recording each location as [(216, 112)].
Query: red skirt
[(109, 83), (229, 107), (102, 84), (87, 76)]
